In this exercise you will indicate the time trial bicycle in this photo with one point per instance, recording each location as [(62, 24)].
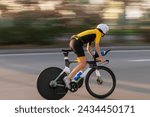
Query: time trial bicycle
[(100, 81)]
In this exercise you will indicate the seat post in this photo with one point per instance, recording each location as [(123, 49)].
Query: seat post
[(65, 53), (67, 62)]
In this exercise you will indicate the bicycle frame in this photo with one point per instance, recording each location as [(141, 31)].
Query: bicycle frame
[(67, 70)]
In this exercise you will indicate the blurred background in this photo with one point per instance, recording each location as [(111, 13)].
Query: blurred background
[(42, 27), (51, 22)]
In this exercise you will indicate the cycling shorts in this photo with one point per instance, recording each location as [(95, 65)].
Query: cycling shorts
[(77, 47)]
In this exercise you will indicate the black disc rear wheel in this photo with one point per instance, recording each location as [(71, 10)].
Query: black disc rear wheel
[(45, 89)]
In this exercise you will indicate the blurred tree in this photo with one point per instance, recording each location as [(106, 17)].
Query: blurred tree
[(126, 3), (123, 16), (27, 2), (3, 9), (42, 26), (78, 1)]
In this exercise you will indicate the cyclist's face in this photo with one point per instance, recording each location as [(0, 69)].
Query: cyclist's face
[(103, 34)]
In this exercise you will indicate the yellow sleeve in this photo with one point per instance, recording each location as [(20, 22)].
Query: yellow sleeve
[(98, 37)]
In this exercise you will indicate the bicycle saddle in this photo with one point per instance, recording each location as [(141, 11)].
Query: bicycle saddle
[(67, 50)]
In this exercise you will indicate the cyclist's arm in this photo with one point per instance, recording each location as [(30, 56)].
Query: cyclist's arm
[(89, 50), (97, 46)]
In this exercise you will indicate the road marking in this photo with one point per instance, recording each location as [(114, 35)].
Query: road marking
[(140, 60)]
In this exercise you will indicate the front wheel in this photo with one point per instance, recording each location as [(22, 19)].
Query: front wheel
[(100, 89)]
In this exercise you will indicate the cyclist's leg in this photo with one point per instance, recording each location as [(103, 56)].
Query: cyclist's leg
[(77, 47), (81, 65)]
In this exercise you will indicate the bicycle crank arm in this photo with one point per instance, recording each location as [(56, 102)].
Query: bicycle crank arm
[(60, 85), (55, 84)]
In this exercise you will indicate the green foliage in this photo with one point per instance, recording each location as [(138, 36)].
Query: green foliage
[(24, 32), (26, 35)]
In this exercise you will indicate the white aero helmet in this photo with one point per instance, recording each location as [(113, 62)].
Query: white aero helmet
[(103, 27)]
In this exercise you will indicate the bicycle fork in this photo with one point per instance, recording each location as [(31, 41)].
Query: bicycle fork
[(99, 77)]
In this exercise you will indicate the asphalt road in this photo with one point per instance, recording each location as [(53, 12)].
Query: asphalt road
[(19, 72)]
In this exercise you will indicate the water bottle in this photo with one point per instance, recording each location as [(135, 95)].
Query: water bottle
[(102, 52), (77, 76)]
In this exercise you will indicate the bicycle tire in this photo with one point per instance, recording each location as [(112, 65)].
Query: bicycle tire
[(106, 94), (43, 84)]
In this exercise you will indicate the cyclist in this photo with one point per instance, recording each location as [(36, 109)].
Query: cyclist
[(76, 44)]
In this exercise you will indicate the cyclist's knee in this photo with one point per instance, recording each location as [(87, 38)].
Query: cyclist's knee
[(82, 65), (82, 62)]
